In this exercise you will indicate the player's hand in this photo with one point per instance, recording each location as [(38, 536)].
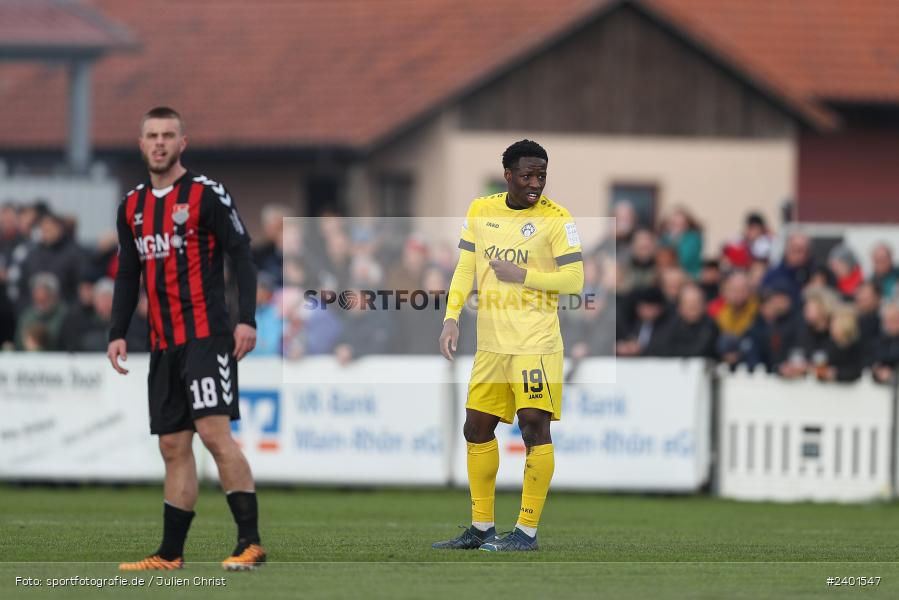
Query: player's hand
[(449, 337), (508, 271), (244, 340), (118, 348)]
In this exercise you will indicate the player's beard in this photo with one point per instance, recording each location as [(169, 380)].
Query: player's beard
[(170, 161)]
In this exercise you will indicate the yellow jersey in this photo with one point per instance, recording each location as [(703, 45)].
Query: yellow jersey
[(515, 318)]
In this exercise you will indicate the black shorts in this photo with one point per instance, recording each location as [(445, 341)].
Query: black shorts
[(191, 381)]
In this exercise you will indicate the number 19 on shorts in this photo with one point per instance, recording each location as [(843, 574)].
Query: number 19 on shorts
[(532, 380)]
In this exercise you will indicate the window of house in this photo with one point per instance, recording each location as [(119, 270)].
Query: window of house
[(323, 195), (394, 195), (643, 197)]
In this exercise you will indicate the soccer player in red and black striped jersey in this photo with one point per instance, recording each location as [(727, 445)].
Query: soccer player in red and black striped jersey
[(174, 230)]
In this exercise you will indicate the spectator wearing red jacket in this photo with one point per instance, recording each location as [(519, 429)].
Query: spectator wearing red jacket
[(845, 268), (753, 245)]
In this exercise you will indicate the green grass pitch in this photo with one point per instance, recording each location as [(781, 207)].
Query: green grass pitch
[(375, 544)]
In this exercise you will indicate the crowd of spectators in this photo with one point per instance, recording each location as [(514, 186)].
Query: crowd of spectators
[(347, 256), (56, 295), (654, 292), (794, 316)]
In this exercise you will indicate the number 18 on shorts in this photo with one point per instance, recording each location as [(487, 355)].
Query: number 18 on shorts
[(192, 381)]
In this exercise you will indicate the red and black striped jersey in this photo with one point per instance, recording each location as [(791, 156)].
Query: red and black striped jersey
[(176, 237)]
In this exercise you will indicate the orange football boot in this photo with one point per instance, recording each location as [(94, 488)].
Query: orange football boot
[(153, 563), (250, 558)]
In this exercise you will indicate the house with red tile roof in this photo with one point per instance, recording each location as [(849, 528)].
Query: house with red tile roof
[(403, 107), (842, 56)]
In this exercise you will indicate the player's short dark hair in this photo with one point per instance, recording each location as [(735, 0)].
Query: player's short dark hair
[(162, 112), (523, 149)]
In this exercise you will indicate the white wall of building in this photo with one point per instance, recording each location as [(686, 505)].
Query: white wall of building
[(718, 180)]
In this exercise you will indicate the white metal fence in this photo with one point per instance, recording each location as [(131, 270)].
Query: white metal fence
[(804, 440)]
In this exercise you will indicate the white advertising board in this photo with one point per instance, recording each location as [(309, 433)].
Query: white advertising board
[(343, 433), (71, 417), (648, 431)]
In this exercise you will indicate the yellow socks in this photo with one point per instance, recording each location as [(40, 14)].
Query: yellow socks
[(538, 472), (483, 463)]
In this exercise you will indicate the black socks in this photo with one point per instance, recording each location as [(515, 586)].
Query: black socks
[(246, 514), (176, 522)]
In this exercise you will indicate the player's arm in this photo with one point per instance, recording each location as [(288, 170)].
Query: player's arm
[(569, 279), (224, 221), (125, 293), (460, 287), (566, 247)]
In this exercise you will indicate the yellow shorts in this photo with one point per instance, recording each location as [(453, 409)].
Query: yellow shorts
[(501, 384)]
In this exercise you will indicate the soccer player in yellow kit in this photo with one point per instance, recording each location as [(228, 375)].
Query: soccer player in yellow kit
[(523, 249)]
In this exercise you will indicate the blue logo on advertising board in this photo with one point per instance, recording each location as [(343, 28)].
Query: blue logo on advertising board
[(260, 419)]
